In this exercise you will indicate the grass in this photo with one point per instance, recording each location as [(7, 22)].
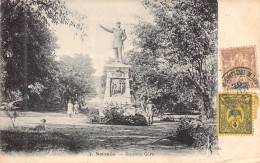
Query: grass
[(76, 139), (33, 141), (76, 136)]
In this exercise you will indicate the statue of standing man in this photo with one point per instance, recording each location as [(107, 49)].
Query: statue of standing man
[(118, 42)]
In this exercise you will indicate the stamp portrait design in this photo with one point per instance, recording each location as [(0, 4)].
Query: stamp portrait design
[(239, 68)]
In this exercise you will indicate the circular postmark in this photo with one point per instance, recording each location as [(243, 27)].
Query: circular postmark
[(239, 78)]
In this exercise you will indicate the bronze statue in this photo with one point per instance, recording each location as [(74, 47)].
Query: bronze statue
[(118, 42)]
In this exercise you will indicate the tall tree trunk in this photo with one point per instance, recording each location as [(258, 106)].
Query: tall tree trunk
[(206, 99), (207, 106), (1, 58), (25, 62)]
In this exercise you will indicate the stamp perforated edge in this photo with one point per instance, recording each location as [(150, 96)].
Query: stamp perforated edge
[(254, 97), (235, 47), (220, 65)]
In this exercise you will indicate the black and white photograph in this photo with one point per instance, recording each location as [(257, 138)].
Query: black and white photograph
[(109, 78)]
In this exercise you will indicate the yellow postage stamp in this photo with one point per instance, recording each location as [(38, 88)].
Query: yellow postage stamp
[(236, 112)]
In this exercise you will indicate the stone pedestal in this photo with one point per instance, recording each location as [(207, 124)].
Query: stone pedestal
[(117, 89)]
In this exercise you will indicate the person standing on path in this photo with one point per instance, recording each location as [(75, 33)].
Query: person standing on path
[(149, 112), (70, 109), (76, 108)]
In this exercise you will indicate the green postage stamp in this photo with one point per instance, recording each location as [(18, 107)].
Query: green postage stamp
[(236, 112)]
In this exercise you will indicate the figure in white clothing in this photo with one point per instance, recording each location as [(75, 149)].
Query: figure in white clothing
[(149, 112), (70, 108), (76, 108)]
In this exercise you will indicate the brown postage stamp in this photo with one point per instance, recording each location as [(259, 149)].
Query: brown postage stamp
[(239, 68)]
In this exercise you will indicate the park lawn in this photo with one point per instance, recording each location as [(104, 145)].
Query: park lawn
[(74, 137)]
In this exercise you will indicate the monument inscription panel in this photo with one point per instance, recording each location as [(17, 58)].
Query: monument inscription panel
[(117, 87), (117, 84)]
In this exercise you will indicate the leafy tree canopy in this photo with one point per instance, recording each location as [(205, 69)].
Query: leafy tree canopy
[(175, 56), (28, 47), (76, 78)]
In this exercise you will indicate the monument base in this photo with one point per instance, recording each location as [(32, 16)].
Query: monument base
[(117, 91)]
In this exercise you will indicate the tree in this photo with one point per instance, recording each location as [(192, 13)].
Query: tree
[(174, 59), (11, 110), (76, 78), (27, 45)]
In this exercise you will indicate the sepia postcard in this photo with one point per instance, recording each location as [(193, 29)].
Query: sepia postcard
[(129, 81)]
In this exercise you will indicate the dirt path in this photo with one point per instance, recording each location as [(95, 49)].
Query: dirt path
[(98, 137)]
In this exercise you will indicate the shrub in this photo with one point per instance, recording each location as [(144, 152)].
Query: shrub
[(183, 134), (194, 133), (95, 119), (139, 120), (115, 115), (11, 110)]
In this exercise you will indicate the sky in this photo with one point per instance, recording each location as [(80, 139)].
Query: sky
[(98, 44)]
